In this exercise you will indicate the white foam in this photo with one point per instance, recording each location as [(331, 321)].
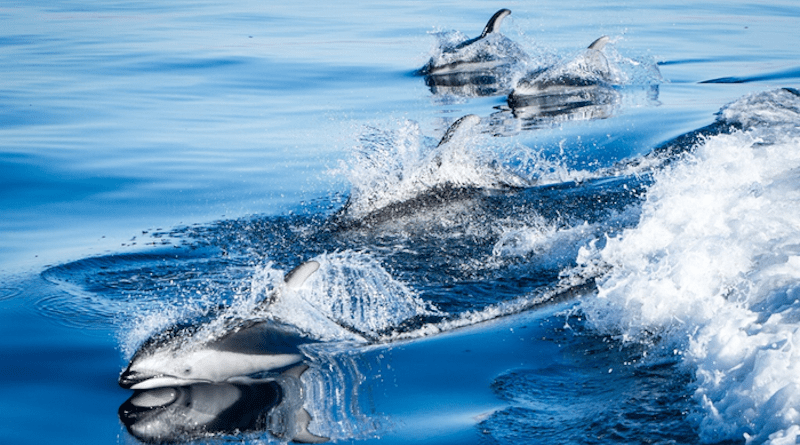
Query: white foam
[(712, 271), (555, 241)]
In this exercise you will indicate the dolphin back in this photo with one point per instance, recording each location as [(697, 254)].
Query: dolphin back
[(261, 338)]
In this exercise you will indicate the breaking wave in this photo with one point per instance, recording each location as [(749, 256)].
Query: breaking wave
[(712, 273)]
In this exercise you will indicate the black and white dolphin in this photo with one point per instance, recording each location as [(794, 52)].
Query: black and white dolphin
[(480, 66), (178, 357), (578, 90), (472, 60)]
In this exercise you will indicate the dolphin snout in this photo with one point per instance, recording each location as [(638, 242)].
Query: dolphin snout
[(130, 378)]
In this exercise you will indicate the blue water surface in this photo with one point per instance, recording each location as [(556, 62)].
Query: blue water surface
[(154, 156)]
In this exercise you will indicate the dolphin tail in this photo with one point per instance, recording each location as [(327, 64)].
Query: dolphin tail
[(494, 23), (599, 44), (300, 274), (459, 126), (302, 417), (303, 435)]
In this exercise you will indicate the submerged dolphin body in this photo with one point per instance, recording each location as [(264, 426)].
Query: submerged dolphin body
[(579, 90), (176, 357), (181, 413), (476, 67), (428, 195)]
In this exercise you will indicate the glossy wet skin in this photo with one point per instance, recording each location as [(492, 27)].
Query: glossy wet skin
[(259, 347)]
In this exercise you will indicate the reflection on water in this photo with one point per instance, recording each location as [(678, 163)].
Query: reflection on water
[(180, 413), (482, 82), (328, 397), (571, 104)]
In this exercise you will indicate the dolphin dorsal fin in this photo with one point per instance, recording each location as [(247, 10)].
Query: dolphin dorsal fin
[(599, 44), (303, 435), (300, 274), (464, 122), (494, 23)]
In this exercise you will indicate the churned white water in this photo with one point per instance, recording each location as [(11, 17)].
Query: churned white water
[(711, 273)]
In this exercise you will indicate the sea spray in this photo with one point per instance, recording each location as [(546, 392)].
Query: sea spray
[(398, 164), (351, 297)]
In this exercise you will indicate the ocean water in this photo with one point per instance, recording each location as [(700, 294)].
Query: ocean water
[(620, 266)]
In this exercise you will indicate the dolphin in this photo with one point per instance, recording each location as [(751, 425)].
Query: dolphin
[(479, 66), (591, 70), (181, 413), (492, 26), (580, 89), (177, 357), (351, 216)]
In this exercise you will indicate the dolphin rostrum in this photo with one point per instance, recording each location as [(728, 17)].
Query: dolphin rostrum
[(177, 357)]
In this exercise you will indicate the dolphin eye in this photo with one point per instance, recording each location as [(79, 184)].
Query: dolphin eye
[(187, 370)]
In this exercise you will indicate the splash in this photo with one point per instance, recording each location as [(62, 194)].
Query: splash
[(771, 108), (603, 65), (495, 48), (350, 298), (459, 67), (712, 273), (395, 166)]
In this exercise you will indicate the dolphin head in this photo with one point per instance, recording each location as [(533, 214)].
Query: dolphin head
[(244, 348), (248, 349), (187, 354), (164, 366)]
